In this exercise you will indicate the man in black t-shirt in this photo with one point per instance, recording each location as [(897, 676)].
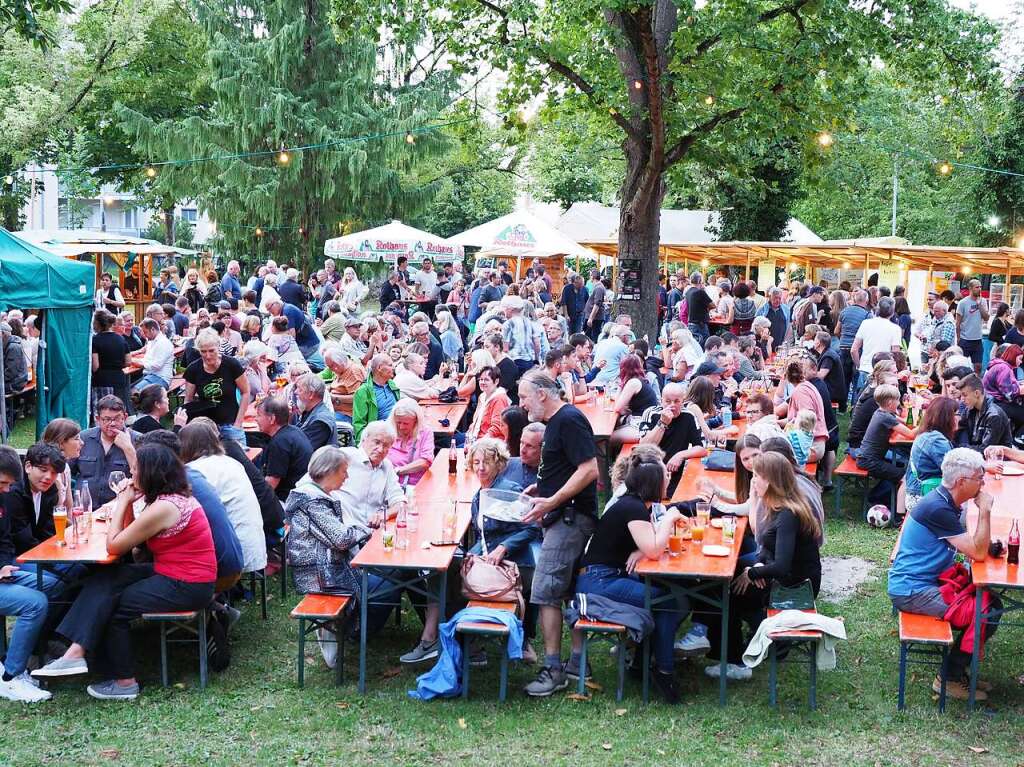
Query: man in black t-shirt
[(830, 370), (218, 380), (698, 308), (674, 430), (286, 457), (565, 504)]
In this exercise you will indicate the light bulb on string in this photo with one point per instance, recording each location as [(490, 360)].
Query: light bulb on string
[(705, 263), (846, 264), (993, 221), (965, 269), (825, 139), (150, 172), (945, 168), (410, 139), (302, 231), (637, 84), (709, 100), (9, 180), (108, 199), (259, 232), (283, 158)]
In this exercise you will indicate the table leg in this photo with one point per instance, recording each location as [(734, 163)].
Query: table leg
[(723, 663), (979, 597), (647, 643), (364, 596), (442, 598)]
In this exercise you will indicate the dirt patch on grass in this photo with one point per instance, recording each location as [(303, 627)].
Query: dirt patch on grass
[(840, 577)]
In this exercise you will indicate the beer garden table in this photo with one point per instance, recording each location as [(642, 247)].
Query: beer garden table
[(50, 553), (421, 560)]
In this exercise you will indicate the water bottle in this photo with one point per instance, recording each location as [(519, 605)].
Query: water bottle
[(412, 513), (726, 417), (401, 531), (85, 495)]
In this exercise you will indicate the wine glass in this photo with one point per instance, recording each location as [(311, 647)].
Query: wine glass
[(114, 481)]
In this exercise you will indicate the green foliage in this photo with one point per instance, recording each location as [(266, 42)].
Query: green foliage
[(574, 158), (155, 230), (999, 195), (280, 78), (80, 186), (848, 188), (757, 207), (27, 19), (184, 234)]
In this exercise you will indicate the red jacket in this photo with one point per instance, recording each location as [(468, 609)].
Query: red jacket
[(959, 593)]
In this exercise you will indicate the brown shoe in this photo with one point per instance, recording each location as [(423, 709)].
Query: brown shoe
[(957, 690)]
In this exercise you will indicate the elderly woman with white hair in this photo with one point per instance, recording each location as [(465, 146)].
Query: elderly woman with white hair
[(684, 355), (412, 452), (269, 294), (409, 378), (352, 291), (451, 336)]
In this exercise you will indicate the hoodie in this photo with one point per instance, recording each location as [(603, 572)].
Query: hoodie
[(1000, 381)]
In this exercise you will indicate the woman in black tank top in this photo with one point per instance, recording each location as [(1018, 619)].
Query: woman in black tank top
[(635, 395)]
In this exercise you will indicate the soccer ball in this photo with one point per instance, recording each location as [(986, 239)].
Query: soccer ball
[(879, 515)]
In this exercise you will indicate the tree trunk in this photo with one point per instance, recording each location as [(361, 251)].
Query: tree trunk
[(168, 215), (639, 236)]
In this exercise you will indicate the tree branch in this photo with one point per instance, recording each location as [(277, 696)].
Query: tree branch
[(708, 43)]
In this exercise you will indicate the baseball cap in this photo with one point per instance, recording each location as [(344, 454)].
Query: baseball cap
[(353, 321), (709, 368)]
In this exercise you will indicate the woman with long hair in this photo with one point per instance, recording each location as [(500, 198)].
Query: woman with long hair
[(1000, 383), (789, 555), (635, 395), (686, 355), (884, 372), (451, 336), (351, 290), (748, 447), (181, 576), (805, 396), (110, 356), (743, 310)]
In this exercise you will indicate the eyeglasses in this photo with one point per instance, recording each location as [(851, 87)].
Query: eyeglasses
[(110, 419)]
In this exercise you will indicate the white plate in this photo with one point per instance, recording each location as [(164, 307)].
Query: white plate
[(1013, 470), (714, 550)]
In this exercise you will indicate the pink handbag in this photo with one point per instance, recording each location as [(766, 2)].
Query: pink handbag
[(492, 583)]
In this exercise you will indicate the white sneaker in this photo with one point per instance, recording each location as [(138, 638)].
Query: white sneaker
[(692, 644), (28, 678), (732, 671), (18, 689)]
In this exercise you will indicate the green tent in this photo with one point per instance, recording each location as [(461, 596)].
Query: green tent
[(31, 278)]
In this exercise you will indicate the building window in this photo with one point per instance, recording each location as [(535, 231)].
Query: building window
[(131, 218), (189, 214)]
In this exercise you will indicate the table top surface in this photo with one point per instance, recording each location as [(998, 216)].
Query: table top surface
[(93, 551), (994, 571), (434, 411), (438, 485), (694, 470), (416, 557), (601, 416), (693, 563)]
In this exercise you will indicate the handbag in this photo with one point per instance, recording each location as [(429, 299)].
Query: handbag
[(720, 460), (492, 583), (449, 395)]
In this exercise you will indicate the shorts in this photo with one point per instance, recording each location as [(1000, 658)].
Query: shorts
[(972, 349), (556, 564)]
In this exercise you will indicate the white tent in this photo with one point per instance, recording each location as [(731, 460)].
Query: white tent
[(591, 222), (521, 234), (69, 243), (390, 241)]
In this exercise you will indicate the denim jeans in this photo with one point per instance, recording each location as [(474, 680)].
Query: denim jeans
[(615, 584), (313, 358), (149, 379), (230, 431), (699, 331), (29, 607)]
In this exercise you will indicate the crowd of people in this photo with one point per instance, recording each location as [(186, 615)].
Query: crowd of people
[(335, 389)]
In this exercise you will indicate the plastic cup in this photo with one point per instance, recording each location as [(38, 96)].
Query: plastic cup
[(675, 545), (728, 530), (388, 539)]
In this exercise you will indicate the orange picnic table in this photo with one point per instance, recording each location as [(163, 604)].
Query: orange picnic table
[(437, 485), (601, 416), (53, 552), (422, 567), (700, 577)]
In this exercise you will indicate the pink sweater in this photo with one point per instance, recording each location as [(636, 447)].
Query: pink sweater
[(806, 397)]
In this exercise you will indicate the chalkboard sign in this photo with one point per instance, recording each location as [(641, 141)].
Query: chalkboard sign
[(630, 272)]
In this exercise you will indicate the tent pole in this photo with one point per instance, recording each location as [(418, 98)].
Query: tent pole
[(1006, 290), (748, 266), (867, 266)]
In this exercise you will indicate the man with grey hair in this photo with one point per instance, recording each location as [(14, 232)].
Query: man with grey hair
[(333, 327), (849, 323), (933, 533), (875, 334), (230, 285), (344, 377), (674, 430), (291, 291), (937, 326), (377, 396), (565, 505), (611, 351), (315, 419), (777, 312), (523, 469), (971, 314)]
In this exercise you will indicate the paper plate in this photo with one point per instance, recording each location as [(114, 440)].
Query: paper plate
[(1013, 470), (713, 550), (716, 522)]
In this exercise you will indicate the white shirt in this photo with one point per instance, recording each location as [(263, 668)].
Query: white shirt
[(268, 296), (367, 489), (159, 357), (101, 297), (243, 507), (428, 283), (878, 334), (414, 387)]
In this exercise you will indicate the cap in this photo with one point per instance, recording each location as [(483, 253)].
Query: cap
[(353, 321), (223, 305), (709, 368)]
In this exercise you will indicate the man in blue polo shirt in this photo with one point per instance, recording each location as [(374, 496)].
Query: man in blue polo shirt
[(305, 337), (932, 535)]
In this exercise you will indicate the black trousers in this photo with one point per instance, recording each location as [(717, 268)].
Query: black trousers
[(1014, 411), (111, 599), (748, 607), (848, 372)]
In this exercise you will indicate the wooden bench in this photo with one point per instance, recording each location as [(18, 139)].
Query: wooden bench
[(317, 611), (191, 623), (483, 629), (615, 632), (849, 469), (807, 642), (923, 636)]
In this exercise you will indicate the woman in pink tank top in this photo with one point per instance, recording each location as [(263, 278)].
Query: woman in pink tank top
[(173, 526)]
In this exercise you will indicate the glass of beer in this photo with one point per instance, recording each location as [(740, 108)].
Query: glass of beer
[(60, 523), (448, 524), (703, 513)]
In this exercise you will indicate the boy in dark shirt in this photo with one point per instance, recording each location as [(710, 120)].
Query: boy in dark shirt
[(885, 424)]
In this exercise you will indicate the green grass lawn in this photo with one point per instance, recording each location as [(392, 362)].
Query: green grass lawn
[(254, 713)]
